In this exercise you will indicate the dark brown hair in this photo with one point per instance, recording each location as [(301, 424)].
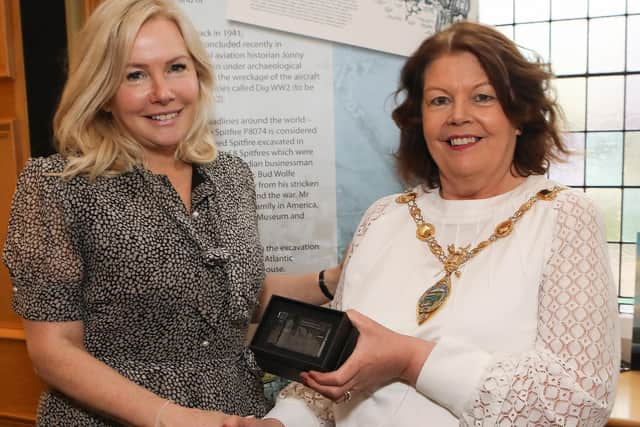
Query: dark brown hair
[(521, 88)]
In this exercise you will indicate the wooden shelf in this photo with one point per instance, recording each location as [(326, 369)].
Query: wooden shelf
[(626, 412)]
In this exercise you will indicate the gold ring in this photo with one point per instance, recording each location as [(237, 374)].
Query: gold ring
[(347, 395)]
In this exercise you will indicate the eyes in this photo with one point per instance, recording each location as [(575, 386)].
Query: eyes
[(481, 98), (134, 75), (439, 100), (177, 67), (137, 75)]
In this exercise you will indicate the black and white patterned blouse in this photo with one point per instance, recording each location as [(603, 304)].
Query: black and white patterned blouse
[(165, 295)]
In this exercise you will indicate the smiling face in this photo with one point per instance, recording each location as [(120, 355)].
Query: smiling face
[(468, 134), (157, 98)]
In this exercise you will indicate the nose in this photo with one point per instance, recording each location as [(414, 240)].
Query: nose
[(161, 91), (459, 113)]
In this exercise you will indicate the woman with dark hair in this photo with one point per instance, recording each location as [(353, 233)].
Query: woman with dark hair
[(521, 88), (483, 295)]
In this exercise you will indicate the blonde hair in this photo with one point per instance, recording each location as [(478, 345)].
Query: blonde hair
[(85, 134)]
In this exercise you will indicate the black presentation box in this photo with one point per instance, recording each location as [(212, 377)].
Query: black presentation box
[(294, 336)]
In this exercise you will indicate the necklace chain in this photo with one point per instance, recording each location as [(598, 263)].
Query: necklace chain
[(435, 296)]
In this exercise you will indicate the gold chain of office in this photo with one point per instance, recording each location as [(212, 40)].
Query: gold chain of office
[(434, 297)]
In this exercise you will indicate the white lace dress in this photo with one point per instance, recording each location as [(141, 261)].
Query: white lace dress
[(529, 335)]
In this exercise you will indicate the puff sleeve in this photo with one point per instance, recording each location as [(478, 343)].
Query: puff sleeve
[(42, 249)]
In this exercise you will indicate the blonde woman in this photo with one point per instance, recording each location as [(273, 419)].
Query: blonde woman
[(134, 251)]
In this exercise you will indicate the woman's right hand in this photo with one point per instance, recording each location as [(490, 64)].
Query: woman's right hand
[(173, 415), (372, 365)]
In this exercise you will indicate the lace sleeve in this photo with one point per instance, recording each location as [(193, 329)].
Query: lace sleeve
[(375, 211), (320, 406), (570, 377)]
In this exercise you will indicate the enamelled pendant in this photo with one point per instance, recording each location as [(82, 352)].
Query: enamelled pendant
[(433, 298)]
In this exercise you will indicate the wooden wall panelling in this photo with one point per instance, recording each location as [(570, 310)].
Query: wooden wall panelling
[(12, 87), (14, 144), (9, 167), (16, 423), (6, 45), (19, 386)]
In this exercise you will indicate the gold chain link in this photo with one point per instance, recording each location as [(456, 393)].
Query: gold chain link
[(425, 231)]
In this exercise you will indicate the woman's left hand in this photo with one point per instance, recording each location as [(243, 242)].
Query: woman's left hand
[(380, 357)]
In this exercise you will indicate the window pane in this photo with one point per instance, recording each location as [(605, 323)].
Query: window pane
[(633, 6), (507, 30), (614, 257), (631, 221), (569, 46), (604, 158), (608, 200), (571, 95), (633, 40), (605, 103), (632, 109), (570, 172), (529, 11), (632, 158), (567, 9), (535, 39), (495, 12), (606, 44), (607, 7), (628, 273), (625, 309)]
